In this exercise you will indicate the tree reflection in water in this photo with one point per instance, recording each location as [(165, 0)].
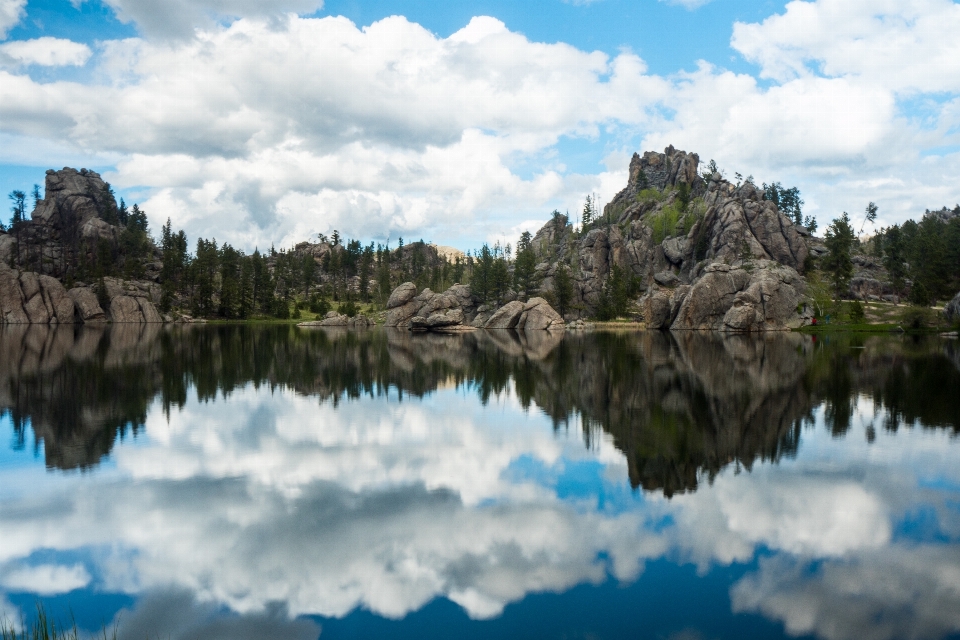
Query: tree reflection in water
[(680, 406)]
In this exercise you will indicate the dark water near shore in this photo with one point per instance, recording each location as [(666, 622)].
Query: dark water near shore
[(275, 482)]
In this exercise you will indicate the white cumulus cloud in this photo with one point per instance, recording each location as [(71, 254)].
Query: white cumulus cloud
[(45, 579), (46, 52), (11, 12), (179, 18)]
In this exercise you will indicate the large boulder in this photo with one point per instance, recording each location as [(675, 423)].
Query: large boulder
[(506, 317), (334, 319), (762, 297), (656, 308), (951, 311), (128, 309), (62, 305), (11, 298), (87, 305), (405, 306), (28, 298), (443, 319), (538, 315), (402, 295)]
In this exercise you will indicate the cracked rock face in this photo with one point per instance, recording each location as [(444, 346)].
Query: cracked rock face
[(726, 235), (29, 298), (762, 297), (429, 310), (457, 310)]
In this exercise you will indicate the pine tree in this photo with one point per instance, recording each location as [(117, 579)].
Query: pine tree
[(563, 289), (587, 216), (480, 281), (894, 257), (525, 266), (839, 240)]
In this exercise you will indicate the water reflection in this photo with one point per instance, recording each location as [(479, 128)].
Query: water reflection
[(680, 406), (278, 472)]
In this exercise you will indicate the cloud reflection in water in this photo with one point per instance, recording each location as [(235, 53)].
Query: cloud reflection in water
[(311, 489)]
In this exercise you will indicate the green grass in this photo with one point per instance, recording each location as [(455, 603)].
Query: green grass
[(46, 628), (880, 317), (849, 328)]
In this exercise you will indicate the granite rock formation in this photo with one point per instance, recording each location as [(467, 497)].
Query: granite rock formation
[(430, 310), (30, 298), (337, 319), (456, 309), (669, 230), (951, 310), (66, 226), (538, 315)]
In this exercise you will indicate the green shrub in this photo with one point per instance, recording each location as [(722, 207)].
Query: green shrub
[(919, 295), (916, 318), (857, 312), (664, 222), (319, 305), (650, 195), (349, 308)]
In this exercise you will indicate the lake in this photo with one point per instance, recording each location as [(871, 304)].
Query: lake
[(281, 482)]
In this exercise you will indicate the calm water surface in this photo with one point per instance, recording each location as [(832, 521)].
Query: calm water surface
[(275, 482)]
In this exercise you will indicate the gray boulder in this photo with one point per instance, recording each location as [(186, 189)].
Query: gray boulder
[(506, 317), (402, 295), (11, 297), (28, 298), (666, 279), (439, 320), (87, 305), (951, 311), (538, 315), (129, 309), (733, 298), (334, 319), (656, 308), (430, 310)]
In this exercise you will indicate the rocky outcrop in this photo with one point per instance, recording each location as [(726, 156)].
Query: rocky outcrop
[(538, 315), (404, 305), (951, 310), (87, 305), (28, 298), (457, 310), (132, 300), (337, 319), (444, 320), (669, 228), (734, 298), (506, 317)]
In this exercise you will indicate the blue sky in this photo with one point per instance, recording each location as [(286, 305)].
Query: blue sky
[(266, 122)]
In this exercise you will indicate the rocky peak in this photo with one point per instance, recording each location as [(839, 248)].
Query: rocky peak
[(667, 230), (72, 198), (662, 170)]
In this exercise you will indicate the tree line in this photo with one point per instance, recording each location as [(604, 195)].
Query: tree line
[(922, 259)]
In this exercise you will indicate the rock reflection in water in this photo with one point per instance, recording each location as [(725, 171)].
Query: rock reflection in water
[(681, 406)]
